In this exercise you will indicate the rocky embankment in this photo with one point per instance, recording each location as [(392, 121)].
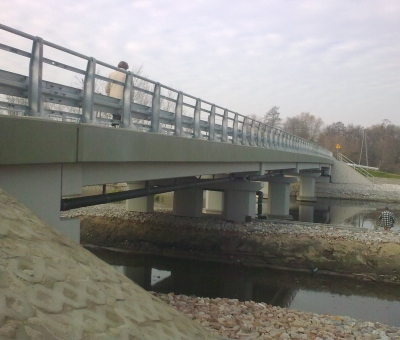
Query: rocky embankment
[(383, 190), (233, 319)]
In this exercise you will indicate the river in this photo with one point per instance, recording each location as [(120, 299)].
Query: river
[(310, 291)]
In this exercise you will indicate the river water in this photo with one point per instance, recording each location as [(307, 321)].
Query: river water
[(312, 292), (347, 213)]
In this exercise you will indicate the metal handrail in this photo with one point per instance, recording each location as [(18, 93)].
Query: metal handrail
[(356, 167), (166, 110)]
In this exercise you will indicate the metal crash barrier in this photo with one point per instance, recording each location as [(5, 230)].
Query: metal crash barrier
[(146, 105)]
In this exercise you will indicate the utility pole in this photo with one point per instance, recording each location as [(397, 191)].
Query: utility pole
[(364, 141)]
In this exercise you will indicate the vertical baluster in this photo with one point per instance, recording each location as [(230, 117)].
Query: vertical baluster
[(267, 135), (278, 139), (235, 129), (224, 137), (272, 138), (178, 114), (127, 102), (259, 135), (244, 132), (155, 109), (88, 116), (283, 140), (252, 133), (211, 123), (196, 122), (35, 102)]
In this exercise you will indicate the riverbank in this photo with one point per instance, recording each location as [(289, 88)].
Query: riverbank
[(366, 254), (384, 190), (370, 254), (235, 319)]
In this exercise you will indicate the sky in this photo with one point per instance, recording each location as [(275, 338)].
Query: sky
[(339, 60)]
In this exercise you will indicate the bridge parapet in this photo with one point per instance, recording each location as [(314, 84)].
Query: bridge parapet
[(145, 105)]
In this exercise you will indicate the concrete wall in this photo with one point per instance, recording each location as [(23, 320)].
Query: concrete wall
[(342, 173)]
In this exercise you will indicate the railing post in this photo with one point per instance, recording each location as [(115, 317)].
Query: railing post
[(259, 136), (178, 114), (35, 102), (155, 108), (266, 137), (88, 116), (127, 102), (211, 123), (244, 132), (196, 122), (252, 133), (235, 129), (284, 141), (224, 137)]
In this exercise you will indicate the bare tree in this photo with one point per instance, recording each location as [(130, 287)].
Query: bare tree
[(272, 118), (305, 125)]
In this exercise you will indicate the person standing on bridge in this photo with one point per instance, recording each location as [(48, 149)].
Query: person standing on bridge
[(387, 219), (116, 90)]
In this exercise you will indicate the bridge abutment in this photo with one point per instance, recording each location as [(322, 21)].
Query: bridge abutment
[(39, 187)]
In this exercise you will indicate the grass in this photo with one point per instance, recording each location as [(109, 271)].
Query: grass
[(381, 174)]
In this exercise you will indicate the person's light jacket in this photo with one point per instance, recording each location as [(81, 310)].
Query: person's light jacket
[(115, 90)]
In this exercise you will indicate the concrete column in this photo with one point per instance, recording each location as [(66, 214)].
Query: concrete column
[(213, 201), (39, 188), (265, 190), (240, 200), (140, 204), (188, 202), (279, 197), (307, 187)]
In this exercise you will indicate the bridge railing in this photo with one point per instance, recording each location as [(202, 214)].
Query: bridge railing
[(146, 105), (363, 170)]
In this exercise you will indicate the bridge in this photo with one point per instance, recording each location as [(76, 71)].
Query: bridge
[(60, 132)]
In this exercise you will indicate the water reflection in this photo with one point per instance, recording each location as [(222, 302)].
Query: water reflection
[(360, 214), (303, 291)]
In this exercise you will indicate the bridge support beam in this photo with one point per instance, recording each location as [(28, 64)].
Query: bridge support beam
[(307, 187), (188, 202), (279, 197), (141, 204)]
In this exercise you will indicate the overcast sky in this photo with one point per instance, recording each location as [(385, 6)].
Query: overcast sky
[(338, 60)]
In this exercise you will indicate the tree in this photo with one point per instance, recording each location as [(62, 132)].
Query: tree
[(272, 118), (305, 125)]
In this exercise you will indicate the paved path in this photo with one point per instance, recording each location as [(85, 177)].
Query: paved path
[(52, 288)]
